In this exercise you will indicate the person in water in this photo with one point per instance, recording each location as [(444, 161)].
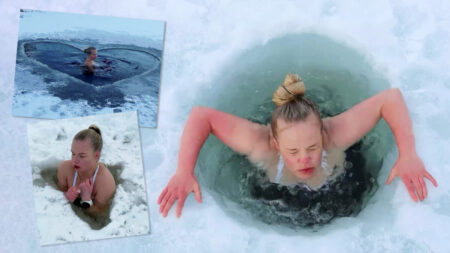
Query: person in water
[(295, 145), (85, 181), (89, 64)]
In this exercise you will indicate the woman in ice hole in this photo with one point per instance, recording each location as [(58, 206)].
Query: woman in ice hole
[(85, 181), (89, 64), (298, 146)]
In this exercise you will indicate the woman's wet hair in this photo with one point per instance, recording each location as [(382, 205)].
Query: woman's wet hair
[(291, 105), (92, 133), (89, 50)]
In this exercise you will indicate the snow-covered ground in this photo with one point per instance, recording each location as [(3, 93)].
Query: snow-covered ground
[(407, 42), (50, 143)]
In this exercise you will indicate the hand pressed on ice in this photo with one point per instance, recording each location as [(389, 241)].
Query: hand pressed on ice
[(412, 172), (72, 193), (178, 188), (86, 189)]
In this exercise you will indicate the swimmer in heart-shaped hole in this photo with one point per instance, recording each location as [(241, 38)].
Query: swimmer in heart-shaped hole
[(98, 67)]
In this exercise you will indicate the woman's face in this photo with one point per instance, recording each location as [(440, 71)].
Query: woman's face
[(300, 144), (83, 155), (93, 54)]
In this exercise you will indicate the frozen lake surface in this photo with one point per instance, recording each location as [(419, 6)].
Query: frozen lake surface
[(210, 43), (49, 78)]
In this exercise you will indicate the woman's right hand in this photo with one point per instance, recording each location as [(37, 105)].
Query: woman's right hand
[(86, 189), (72, 193), (178, 188)]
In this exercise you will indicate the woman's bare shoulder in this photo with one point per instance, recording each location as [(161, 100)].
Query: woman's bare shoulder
[(65, 172), (264, 150), (105, 176), (103, 170), (104, 185), (65, 166)]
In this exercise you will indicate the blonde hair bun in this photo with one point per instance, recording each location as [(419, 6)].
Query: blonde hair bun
[(292, 88), (96, 129)]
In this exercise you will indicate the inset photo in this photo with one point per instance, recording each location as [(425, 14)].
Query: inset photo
[(88, 178), (74, 65)]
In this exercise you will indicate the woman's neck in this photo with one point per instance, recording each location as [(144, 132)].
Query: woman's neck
[(87, 174)]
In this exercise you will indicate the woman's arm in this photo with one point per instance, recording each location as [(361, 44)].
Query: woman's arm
[(105, 188), (97, 208), (239, 134), (72, 192), (348, 127)]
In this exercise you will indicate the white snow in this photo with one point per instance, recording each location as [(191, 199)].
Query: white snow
[(407, 41), (50, 143)]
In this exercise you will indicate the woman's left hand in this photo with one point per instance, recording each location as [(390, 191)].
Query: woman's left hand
[(86, 189), (412, 172)]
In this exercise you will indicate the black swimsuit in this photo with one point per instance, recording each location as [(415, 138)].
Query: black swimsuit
[(87, 71)]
